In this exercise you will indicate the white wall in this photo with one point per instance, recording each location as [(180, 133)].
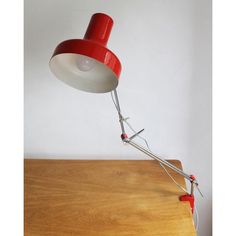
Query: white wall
[(165, 85)]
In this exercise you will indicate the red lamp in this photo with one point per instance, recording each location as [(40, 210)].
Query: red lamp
[(87, 64)]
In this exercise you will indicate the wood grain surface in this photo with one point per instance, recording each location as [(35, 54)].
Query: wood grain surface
[(103, 198)]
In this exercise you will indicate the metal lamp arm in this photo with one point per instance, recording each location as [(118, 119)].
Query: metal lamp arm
[(128, 140)]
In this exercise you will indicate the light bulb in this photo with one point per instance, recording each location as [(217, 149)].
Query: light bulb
[(85, 64)]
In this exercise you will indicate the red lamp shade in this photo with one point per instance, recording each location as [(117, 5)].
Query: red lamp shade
[(87, 64)]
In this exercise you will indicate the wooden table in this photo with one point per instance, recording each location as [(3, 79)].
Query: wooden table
[(103, 198)]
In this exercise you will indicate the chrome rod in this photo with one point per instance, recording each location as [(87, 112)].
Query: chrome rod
[(192, 188), (119, 112), (133, 136), (164, 162)]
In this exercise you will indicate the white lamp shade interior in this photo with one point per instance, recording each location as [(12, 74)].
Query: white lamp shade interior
[(83, 73)]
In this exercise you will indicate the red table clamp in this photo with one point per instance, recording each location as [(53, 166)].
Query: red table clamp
[(189, 197)]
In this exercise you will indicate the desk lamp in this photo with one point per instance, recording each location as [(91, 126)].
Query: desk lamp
[(87, 64)]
